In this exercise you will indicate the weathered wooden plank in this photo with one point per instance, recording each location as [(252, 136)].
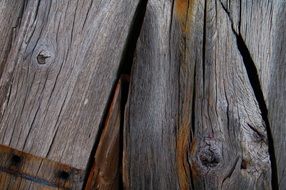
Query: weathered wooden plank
[(105, 172), (154, 140), (202, 129), (21, 169), (230, 147), (149, 152), (59, 74), (261, 26)]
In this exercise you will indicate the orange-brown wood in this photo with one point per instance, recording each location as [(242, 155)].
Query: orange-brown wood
[(106, 167)]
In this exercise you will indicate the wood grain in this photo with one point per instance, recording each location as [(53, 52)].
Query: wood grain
[(59, 74)]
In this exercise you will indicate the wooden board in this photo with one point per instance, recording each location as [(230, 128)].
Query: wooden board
[(59, 74), (261, 26), (230, 146), (19, 170), (194, 118)]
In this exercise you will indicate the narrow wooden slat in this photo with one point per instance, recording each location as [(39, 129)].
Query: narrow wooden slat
[(105, 172), (277, 93), (152, 141), (59, 74), (17, 167)]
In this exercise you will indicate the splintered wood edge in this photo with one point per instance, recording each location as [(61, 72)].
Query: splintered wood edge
[(106, 166), (39, 170)]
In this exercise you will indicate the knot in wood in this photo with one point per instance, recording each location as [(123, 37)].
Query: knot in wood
[(209, 154), (64, 175), (44, 52), (42, 56)]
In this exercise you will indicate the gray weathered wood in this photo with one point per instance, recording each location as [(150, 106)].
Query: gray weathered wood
[(59, 74), (230, 136), (193, 119), (262, 27)]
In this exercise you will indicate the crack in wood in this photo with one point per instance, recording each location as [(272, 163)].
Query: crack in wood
[(231, 171)]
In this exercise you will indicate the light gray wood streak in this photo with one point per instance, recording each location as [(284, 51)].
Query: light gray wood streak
[(9, 16), (277, 90), (151, 118)]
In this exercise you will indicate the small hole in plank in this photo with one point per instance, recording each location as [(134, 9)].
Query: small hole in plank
[(243, 164), (16, 160), (63, 175)]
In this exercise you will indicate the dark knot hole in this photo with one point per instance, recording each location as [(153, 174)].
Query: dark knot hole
[(16, 160), (63, 175)]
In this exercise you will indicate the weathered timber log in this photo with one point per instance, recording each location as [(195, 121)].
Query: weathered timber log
[(194, 119)]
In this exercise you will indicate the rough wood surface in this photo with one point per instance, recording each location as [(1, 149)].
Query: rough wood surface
[(193, 119), (19, 170), (59, 74), (105, 172)]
